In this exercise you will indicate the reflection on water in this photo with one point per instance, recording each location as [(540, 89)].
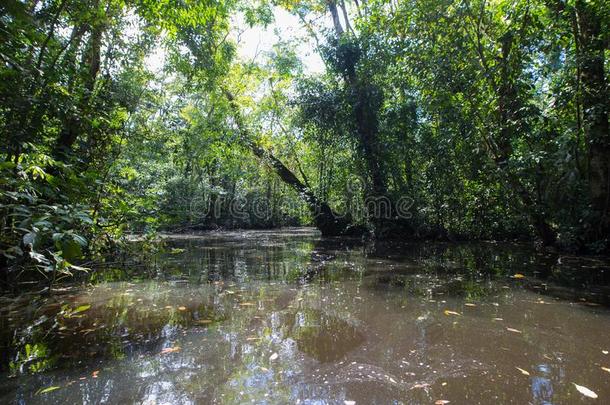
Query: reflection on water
[(286, 317), (324, 337)]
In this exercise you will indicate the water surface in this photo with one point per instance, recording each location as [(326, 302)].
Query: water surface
[(285, 316)]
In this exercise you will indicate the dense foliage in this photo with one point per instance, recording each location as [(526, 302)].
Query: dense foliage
[(483, 119)]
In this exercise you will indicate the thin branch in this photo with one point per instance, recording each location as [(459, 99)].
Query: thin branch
[(348, 26), (50, 35)]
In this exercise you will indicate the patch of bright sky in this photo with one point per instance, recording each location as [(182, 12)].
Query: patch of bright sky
[(155, 60), (253, 43)]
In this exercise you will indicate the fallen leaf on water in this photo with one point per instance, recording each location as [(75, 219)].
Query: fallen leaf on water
[(182, 308), (468, 304), (246, 304), (48, 389), (518, 275), (441, 402), (606, 369), (274, 356), (95, 373), (82, 308), (170, 350), (524, 372), (447, 312), (513, 330), (585, 391)]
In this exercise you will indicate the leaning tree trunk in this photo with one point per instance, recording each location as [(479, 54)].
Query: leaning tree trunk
[(327, 221)]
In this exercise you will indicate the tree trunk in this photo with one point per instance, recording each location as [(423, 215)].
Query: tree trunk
[(74, 124), (510, 119), (595, 109), (327, 221), (364, 97)]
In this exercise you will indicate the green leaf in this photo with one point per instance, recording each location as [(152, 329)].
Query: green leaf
[(81, 308), (48, 389), (80, 240), (37, 172), (71, 250), (29, 238), (40, 258), (7, 165)]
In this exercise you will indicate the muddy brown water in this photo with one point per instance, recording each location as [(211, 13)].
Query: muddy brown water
[(286, 317)]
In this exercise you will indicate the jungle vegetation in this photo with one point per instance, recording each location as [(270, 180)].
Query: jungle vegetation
[(489, 116)]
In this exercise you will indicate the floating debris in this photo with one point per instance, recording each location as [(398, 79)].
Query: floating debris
[(585, 391)]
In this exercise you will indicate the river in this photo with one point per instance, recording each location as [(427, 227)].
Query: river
[(285, 316)]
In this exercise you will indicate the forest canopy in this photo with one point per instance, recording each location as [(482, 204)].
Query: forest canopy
[(462, 120)]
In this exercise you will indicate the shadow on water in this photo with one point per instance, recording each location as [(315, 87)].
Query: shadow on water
[(286, 316)]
